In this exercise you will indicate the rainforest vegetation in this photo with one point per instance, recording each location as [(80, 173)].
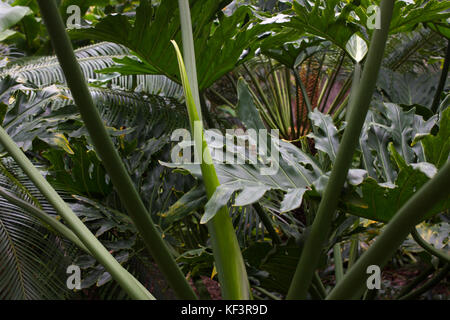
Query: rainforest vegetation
[(320, 132)]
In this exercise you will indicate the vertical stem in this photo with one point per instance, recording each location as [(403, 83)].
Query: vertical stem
[(108, 153), (189, 51), (227, 253), (322, 222), (121, 275), (442, 81)]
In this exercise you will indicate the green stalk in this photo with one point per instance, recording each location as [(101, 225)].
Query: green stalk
[(428, 247), (396, 231), (355, 84), (109, 155), (99, 252), (322, 222), (338, 268), (227, 253)]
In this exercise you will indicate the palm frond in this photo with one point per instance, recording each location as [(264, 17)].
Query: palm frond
[(45, 71), (32, 259)]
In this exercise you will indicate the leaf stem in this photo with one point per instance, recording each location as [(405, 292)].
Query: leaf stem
[(428, 247), (107, 152), (121, 275), (322, 222)]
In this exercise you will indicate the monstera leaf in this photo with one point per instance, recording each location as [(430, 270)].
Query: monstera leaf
[(220, 44)]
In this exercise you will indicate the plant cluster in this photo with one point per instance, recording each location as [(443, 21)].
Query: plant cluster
[(357, 91)]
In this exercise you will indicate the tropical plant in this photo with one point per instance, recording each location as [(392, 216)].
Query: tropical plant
[(88, 177)]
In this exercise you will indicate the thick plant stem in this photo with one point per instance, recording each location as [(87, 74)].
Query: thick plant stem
[(227, 254), (109, 155), (396, 231), (442, 80), (322, 222), (121, 275)]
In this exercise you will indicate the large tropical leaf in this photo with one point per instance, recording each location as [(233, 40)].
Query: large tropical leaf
[(381, 202), (329, 20), (408, 88), (408, 14), (292, 172), (220, 44)]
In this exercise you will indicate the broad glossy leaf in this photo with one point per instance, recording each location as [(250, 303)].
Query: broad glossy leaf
[(408, 88)]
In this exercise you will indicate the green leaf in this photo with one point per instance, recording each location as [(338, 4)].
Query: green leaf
[(221, 40), (32, 263), (256, 174), (437, 148), (327, 19), (357, 48), (9, 15), (326, 136), (246, 111), (407, 16), (408, 88), (381, 201)]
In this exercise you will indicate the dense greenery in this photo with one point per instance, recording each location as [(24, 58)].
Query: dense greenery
[(359, 97)]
